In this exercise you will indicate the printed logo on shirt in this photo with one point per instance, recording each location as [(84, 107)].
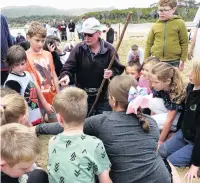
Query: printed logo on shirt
[(30, 96), (44, 70)]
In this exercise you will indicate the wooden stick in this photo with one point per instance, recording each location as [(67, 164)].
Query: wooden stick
[(111, 62)]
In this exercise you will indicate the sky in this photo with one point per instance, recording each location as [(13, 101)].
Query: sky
[(68, 4)]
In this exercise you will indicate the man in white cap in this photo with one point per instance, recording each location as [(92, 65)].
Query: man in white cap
[(88, 63)]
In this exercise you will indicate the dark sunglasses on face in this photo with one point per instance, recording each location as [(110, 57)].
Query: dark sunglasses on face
[(89, 35)]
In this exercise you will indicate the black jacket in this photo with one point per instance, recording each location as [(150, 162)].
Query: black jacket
[(71, 26), (20, 39), (89, 70), (6, 179), (35, 176), (63, 27), (110, 35), (57, 63), (191, 122)]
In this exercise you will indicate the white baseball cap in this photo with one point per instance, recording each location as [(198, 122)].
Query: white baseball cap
[(91, 25)]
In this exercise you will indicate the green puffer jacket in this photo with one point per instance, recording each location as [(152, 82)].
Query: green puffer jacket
[(168, 40)]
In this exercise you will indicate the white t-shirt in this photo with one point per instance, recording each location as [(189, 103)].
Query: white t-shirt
[(140, 54), (28, 91), (64, 57)]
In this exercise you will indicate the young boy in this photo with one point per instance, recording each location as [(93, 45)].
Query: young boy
[(168, 39), (19, 150), (133, 69), (136, 54), (22, 82), (40, 64), (74, 156), (6, 91)]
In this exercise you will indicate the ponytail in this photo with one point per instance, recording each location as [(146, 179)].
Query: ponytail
[(144, 123)]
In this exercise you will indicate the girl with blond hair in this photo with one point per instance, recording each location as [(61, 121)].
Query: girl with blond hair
[(169, 92), (183, 148)]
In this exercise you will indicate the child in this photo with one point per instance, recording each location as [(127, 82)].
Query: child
[(72, 154), (146, 69), (52, 44), (136, 54), (40, 64), (6, 91), (22, 82), (183, 149), (133, 69), (168, 88), (13, 109), (168, 39), (19, 151), (130, 139)]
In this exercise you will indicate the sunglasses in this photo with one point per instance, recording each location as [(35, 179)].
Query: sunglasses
[(89, 35)]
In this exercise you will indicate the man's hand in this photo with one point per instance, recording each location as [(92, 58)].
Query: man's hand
[(107, 73), (192, 173), (181, 65), (64, 81)]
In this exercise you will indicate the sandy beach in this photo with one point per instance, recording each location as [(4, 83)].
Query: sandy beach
[(135, 34)]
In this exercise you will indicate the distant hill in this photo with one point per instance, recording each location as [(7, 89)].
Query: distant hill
[(19, 11)]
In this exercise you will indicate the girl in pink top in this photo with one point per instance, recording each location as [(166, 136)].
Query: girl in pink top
[(146, 68)]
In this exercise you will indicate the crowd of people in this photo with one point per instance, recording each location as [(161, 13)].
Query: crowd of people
[(146, 121)]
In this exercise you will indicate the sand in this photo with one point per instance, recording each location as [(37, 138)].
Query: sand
[(136, 36)]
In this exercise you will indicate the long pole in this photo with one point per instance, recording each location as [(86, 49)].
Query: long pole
[(119, 31), (111, 62)]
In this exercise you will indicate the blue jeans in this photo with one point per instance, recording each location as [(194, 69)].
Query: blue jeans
[(177, 150)]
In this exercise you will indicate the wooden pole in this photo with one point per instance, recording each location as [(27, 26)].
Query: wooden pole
[(119, 32), (111, 62)]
